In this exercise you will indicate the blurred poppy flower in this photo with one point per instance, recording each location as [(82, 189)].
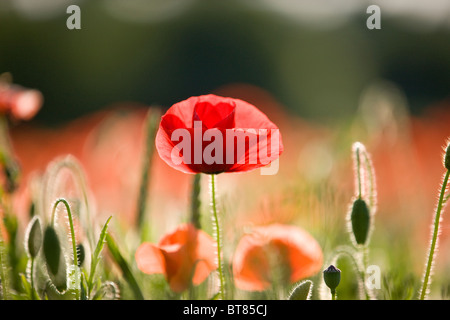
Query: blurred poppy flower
[(212, 134), (183, 255), (19, 102), (285, 249)]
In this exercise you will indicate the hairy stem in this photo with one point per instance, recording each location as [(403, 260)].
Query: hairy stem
[(217, 235), (3, 269), (72, 233), (358, 172), (195, 202), (153, 117), (355, 258), (437, 218)]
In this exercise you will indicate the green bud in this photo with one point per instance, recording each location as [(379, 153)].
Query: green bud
[(360, 219), (54, 258), (33, 237), (302, 291), (12, 172), (81, 254), (332, 277)]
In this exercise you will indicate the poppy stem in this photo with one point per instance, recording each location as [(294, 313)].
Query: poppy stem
[(358, 172), (72, 229), (195, 202), (434, 239), (151, 126), (77, 287), (4, 294), (217, 235)]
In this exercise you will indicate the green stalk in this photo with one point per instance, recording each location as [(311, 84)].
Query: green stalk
[(153, 117), (333, 294), (358, 172), (71, 163), (3, 270), (34, 294), (357, 263), (195, 202), (434, 240), (123, 265), (217, 235), (96, 256), (72, 235), (72, 229)]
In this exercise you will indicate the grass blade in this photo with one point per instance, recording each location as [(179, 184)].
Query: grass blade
[(96, 255), (122, 263)]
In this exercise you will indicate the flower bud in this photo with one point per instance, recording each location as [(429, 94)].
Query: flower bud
[(360, 220), (33, 237), (447, 157), (81, 254), (54, 258), (332, 277)]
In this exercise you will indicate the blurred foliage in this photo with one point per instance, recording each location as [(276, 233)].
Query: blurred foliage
[(315, 72)]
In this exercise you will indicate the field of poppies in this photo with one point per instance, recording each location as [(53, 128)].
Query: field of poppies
[(119, 204), (242, 150)]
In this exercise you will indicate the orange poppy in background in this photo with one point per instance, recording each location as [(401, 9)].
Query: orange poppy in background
[(183, 255), (275, 248)]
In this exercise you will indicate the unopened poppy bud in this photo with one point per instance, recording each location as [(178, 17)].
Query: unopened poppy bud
[(302, 291), (81, 254), (33, 237), (54, 258), (360, 219), (332, 277), (447, 158)]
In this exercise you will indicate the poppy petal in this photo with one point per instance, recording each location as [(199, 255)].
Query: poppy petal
[(250, 265), (223, 114), (297, 251), (150, 259)]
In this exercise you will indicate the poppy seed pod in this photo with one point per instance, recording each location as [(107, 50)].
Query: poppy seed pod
[(332, 277), (360, 221)]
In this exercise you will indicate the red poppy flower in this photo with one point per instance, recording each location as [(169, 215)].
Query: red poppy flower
[(275, 248), (183, 255), (212, 134)]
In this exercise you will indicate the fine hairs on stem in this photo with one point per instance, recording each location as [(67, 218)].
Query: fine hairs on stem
[(53, 173), (361, 215), (435, 227), (74, 271), (217, 235)]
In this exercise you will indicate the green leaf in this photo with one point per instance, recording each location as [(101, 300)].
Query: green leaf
[(96, 255), (30, 292), (303, 291), (123, 265)]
